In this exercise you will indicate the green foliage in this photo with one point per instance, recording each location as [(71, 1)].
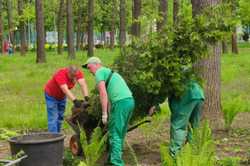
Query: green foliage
[(244, 12), (200, 152), (6, 134), (69, 159), (156, 67), (229, 161), (93, 149), (231, 109)]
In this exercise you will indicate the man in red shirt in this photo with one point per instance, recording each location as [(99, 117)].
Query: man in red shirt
[(56, 91)]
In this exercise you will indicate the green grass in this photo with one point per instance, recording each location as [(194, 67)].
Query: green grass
[(22, 104), (236, 76)]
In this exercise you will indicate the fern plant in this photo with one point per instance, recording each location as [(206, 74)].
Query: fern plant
[(231, 109), (200, 152), (94, 148)]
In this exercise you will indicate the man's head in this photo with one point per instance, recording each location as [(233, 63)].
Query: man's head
[(72, 70), (93, 64)]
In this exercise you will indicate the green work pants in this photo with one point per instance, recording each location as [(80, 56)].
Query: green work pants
[(183, 114), (121, 112)]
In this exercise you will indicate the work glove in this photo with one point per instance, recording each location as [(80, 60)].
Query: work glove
[(86, 98), (104, 119), (77, 103)]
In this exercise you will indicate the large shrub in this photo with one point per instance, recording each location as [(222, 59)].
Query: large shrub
[(159, 65)]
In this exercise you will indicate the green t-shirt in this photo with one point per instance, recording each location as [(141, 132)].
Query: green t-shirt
[(117, 88)]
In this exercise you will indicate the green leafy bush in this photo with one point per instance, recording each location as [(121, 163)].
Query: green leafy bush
[(158, 66)]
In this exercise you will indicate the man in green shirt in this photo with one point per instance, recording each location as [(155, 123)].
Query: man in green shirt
[(117, 106), (185, 110)]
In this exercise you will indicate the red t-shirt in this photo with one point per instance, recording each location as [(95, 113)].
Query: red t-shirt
[(52, 88)]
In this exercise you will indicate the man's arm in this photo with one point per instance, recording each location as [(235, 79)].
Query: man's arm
[(67, 92), (84, 87), (104, 100)]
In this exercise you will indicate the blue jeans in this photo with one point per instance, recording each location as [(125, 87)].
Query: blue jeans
[(55, 111)]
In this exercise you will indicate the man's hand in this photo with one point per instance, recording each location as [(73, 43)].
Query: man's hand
[(104, 119), (77, 103)]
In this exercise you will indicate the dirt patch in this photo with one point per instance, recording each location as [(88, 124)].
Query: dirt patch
[(146, 143)]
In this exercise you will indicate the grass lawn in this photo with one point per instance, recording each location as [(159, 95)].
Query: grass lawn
[(21, 87), (22, 81)]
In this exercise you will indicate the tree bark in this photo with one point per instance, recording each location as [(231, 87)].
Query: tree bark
[(70, 30), (163, 6), (209, 70), (23, 47), (60, 26), (79, 28), (40, 37), (90, 28), (136, 12), (10, 23), (1, 26), (234, 34), (122, 34), (112, 32), (235, 49), (224, 47), (176, 7)]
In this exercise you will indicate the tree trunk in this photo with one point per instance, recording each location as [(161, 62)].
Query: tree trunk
[(23, 47), (10, 23), (176, 7), (163, 6), (70, 30), (234, 42), (209, 70), (136, 12), (90, 28), (40, 38), (122, 34), (234, 34), (112, 32), (224, 47), (1, 26), (60, 26), (79, 28)]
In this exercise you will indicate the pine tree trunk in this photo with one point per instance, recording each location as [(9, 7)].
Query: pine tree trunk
[(209, 70), (163, 6), (90, 28), (136, 12), (176, 7), (78, 36), (60, 26), (235, 49), (112, 32), (122, 34), (70, 31), (40, 37), (10, 23), (79, 29), (23, 47), (224, 47), (1, 26), (234, 34)]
